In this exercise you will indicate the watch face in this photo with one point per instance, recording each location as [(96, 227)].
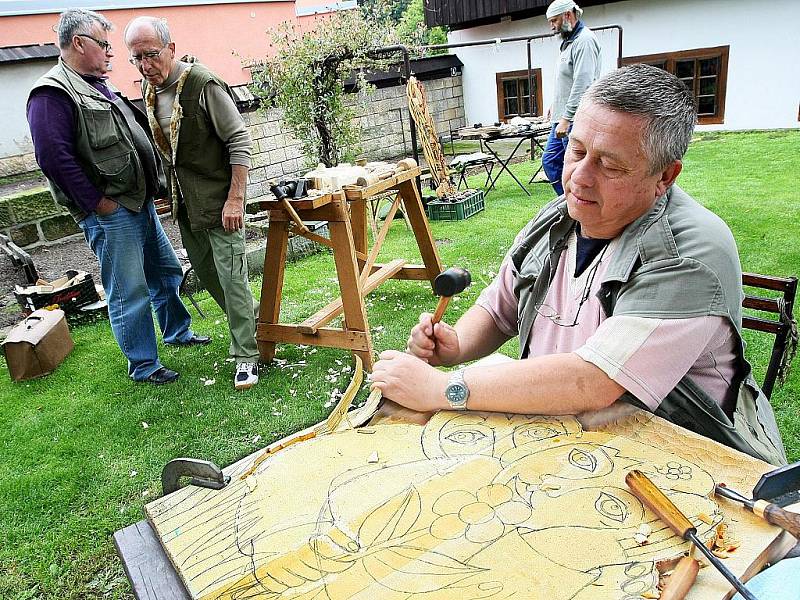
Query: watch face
[(456, 394)]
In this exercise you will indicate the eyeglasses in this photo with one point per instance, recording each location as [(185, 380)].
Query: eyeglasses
[(548, 312), (106, 46), (149, 56)]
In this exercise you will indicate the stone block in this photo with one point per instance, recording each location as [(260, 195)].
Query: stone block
[(33, 204), (6, 219), (260, 160), (58, 227), (277, 155), (24, 235), (257, 175)]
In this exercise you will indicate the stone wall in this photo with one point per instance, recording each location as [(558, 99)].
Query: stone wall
[(33, 218), (385, 127)]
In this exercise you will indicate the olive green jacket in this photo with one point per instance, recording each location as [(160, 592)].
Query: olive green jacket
[(679, 260)]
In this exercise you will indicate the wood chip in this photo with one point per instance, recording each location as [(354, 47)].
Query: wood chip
[(645, 529), (373, 458), (640, 539), (651, 594), (705, 518)]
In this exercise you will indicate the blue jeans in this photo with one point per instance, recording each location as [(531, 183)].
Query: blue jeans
[(553, 159), (139, 272)]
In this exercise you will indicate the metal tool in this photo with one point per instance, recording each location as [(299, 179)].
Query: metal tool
[(446, 285), (655, 500), (775, 489), (203, 473)]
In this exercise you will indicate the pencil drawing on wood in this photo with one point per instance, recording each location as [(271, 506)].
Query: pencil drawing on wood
[(468, 506)]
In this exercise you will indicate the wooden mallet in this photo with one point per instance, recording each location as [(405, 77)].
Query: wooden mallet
[(446, 285)]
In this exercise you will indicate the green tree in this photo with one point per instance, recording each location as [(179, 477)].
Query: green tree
[(412, 30), (306, 79)]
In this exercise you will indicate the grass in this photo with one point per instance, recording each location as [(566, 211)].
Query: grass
[(81, 450)]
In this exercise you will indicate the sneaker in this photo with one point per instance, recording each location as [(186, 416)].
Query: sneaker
[(246, 376)]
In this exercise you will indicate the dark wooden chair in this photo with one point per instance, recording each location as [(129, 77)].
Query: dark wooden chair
[(783, 326)]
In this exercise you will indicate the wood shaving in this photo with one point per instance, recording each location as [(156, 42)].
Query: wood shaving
[(705, 518), (645, 529), (651, 594), (640, 539), (373, 458)]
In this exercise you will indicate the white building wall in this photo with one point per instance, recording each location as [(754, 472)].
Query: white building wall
[(16, 81), (763, 85)]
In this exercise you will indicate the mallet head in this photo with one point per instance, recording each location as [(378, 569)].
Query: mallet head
[(451, 282), (446, 285)]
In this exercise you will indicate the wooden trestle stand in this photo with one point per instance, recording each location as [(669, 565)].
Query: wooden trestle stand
[(356, 269)]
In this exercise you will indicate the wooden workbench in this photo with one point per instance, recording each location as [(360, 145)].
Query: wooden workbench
[(358, 273)]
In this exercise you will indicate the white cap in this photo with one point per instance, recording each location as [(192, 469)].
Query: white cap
[(559, 7)]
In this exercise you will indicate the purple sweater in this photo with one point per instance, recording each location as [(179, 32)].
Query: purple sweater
[(51, 116)]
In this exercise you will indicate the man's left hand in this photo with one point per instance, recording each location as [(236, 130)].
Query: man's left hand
[(233, 214), (409, 381), (562, 129)]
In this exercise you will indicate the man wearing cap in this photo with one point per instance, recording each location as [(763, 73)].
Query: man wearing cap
[(578, 66)]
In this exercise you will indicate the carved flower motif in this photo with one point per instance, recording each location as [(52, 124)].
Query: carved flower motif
[(675, 470), (481, 517)]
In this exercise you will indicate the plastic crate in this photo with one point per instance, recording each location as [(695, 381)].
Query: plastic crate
[(69, 299), (456, 211)]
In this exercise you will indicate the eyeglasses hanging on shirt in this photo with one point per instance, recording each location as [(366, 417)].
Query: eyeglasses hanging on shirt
[(548, 312)]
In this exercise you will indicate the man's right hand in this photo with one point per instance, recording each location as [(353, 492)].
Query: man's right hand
[(435, 344), (106, 206)]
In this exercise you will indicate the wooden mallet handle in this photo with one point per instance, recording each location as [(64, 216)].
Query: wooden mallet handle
[(681, 580), (440, 308)]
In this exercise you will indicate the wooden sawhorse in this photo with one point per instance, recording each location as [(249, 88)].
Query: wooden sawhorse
[(356, 269)]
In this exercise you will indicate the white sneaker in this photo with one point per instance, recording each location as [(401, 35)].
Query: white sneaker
[(246, 376)]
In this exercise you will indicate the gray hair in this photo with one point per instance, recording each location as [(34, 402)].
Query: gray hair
[(158, 25), (78, 20), (660, 98)]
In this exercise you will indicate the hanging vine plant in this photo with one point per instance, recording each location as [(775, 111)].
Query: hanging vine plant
[(306, 79)]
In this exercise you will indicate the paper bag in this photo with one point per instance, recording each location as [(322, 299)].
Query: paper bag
[(37, 345)]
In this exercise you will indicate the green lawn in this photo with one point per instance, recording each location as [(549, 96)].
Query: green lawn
[(82, 449)]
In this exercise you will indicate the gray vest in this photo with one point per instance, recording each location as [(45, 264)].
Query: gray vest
[(679, 260)]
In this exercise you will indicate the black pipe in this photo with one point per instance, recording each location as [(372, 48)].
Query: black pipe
[(406, 74)]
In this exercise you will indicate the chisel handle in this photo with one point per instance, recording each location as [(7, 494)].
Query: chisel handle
[(655, 500), (772, 513), (681, 580)]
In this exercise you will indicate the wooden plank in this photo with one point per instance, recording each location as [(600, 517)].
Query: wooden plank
[(328, 313), (328, 212), (355, 313), (759, 324), (359, 193), (272, 283), (421, 228), (301, 204), (768, 282), (379, 239), (759, 303), (409, 272), (146, 564), (330, 338)]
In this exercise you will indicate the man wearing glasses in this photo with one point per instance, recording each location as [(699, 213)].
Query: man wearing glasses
[(203, 141), (622, 289), (92, 145)]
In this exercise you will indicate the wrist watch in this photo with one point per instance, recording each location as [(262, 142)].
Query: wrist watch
[(457, 391)]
